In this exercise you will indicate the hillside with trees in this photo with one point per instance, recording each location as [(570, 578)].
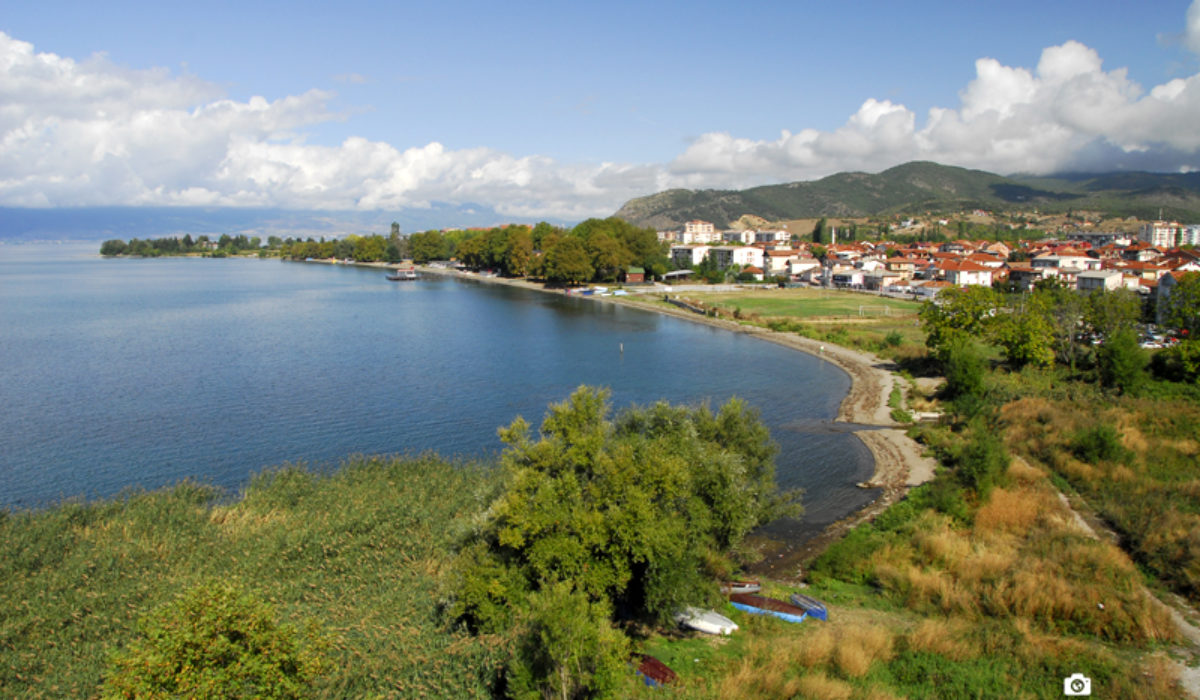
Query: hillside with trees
[(921, 187)]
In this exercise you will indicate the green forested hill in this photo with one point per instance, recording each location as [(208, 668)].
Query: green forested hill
[(924, 186)]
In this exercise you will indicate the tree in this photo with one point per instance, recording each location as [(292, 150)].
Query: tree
[(568, 262), (957, 314), (640, 513), (1121, 362), (1106, 312), (429, 245), (518, 251), (1025, 333), (113, 247), (1183, 304), (819, 231), (216, 641)]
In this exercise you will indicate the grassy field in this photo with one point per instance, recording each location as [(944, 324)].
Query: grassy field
[(361, 554), (808, 303)]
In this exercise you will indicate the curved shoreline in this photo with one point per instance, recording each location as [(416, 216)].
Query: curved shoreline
[(899, 462)]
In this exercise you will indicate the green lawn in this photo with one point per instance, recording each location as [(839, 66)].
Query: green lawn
[(810, 303)]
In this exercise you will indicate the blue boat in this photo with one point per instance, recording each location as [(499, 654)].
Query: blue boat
[(762, 605), (812, 606)]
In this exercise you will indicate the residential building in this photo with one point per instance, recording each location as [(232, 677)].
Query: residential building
[(1160, 234), (688, 255), (1092, 280)]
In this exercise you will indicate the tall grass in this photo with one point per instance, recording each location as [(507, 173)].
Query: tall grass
[(357, 552)]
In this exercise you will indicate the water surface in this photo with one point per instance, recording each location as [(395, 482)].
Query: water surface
[(139, 373)]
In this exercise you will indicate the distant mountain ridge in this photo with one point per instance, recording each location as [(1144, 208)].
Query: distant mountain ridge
[(97, 223), (923, 186)]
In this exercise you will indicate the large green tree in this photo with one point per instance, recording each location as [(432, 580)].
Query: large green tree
[(957, 315), (568, 262), (640, 514)]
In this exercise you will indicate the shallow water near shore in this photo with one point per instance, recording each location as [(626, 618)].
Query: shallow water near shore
[(140, 373)]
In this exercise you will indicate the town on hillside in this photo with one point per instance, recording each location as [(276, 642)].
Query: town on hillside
[(1149, 260)]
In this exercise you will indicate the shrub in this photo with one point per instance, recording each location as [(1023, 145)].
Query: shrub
[(893, 339), (1179, 363), (1122, 363), (983, 461), (215, 641), (1099, 443)]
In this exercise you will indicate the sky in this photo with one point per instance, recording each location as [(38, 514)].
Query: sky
[(567, 110)]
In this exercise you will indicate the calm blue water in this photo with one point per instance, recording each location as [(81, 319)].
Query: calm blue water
[(120, 373)]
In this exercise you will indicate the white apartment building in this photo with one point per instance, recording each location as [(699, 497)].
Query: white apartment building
[(744, 256), (1161, 234), (688, 255)]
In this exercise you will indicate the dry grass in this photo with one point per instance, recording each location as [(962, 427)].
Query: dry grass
[(949, 637), (818, 686), (815, 649), (1014, 510), (1024, 473), (860, 647)]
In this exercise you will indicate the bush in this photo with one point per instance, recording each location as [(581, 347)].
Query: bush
[(893, 339), (1099, 443), (983, 461), (1122, 363), (1179, 363), (215, 641)]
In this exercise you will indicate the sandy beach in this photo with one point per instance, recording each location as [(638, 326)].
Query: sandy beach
[(899, 462)]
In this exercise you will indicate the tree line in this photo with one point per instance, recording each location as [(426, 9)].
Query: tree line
[(1093, 332), (595, 250)]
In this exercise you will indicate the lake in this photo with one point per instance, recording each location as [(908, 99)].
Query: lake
[(120, 373)]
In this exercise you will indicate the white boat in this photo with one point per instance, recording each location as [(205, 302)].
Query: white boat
[(706, 621)]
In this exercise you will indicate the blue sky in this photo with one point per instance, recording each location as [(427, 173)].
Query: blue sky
[(566, 110)]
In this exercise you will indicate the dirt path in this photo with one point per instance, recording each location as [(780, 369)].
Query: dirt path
[(1189, 676)]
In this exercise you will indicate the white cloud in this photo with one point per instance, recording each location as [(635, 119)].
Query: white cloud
[(91, 132), (1060, 116)]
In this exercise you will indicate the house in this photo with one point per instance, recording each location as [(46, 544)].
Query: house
[(1092, 280), (849, 277), (635, 275), (964, 273), (698, 227), (1023, 275), (757, 272), (799, 266)]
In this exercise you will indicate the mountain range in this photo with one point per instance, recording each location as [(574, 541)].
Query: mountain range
[(919, 187)]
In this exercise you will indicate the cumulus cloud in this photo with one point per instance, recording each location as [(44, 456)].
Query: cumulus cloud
[(1068, 113), (91, 132), (75, 133)]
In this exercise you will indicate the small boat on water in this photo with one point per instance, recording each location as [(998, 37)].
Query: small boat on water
[(403, 274), (812, 606), (654, 672), (750, 586), (762, 605), (706, 621)]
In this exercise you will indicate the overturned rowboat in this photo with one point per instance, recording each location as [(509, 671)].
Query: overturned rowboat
[(750, 586), (706, 621), (762, 605), (653, 672), (812, 606)]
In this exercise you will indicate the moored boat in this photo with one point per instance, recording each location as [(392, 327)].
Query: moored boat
[(749, 586), (812, 606), (654, 672), (403, 274), (762, 605), (706, 621)]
